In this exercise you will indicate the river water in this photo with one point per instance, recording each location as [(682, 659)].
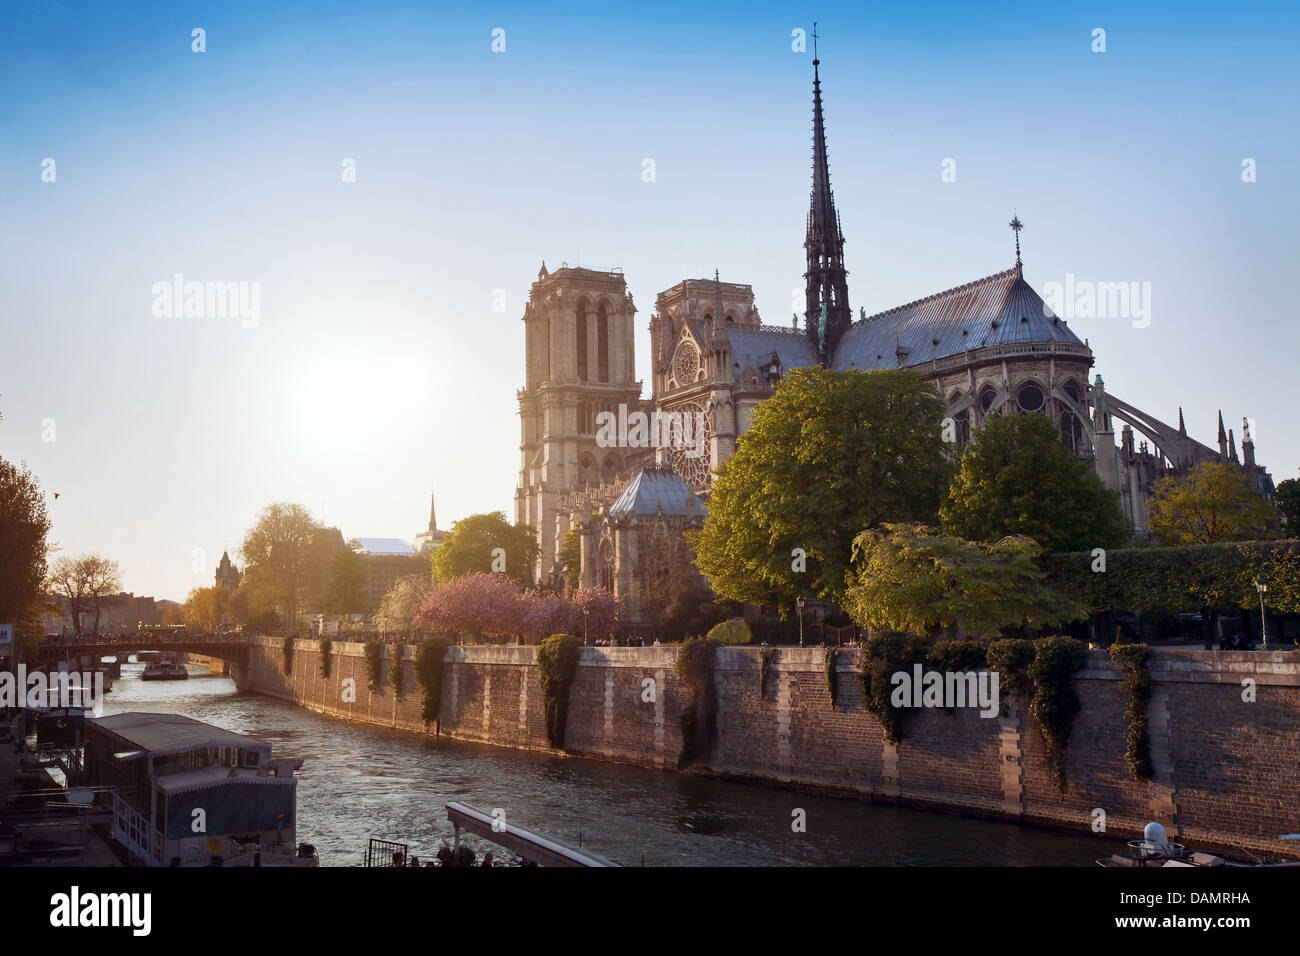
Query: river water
[(360, 781)]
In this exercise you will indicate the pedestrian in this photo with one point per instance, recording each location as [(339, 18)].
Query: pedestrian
[(487, 860)]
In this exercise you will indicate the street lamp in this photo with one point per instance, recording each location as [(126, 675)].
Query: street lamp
[(586, 614), (1261, 585), (799, 603)]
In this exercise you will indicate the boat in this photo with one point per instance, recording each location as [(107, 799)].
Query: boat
[(1155, 849), (165, 670), (187, 793)]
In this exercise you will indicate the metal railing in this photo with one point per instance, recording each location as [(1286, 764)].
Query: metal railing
[(386, 853)]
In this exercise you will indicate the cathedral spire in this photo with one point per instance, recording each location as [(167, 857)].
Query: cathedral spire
[(1016, 225), (826, 281), (1223, 438), (433, 518)]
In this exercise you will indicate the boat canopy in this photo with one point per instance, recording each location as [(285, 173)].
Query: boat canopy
[(161, 735)]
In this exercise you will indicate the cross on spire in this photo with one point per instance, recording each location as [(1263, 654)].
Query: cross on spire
[(1016, 225), (814, 36)]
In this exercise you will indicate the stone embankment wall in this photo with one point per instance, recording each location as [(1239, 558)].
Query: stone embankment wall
[(1227, 770)]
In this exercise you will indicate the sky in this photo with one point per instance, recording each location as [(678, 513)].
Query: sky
[(386, 350)]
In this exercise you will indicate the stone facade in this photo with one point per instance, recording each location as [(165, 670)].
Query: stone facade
[(1225, 769)]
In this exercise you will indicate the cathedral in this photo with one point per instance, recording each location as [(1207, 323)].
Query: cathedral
[(990, 346)]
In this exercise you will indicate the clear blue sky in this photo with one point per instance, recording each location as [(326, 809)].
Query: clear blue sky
[(379, 370)]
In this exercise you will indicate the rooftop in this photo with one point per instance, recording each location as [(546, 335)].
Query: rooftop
[(163, 734), (380, 546)]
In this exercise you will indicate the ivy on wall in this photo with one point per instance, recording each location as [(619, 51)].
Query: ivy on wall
[(396, 671), (374, 651), (557, 660), (288, 654), (828, 665), (326, 651), (699, 717), (1136, 686), (1055, 704), (429, 665), (882, 656), (766, 655)]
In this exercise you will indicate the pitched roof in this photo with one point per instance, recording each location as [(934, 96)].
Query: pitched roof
[(656, 488), (791, 346), (161, 734), (1001, 309), (380, 546)]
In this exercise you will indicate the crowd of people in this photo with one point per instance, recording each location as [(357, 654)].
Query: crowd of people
[(461, 856)]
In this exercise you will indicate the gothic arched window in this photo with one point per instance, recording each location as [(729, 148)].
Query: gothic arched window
[(602, 344), (580, 339)]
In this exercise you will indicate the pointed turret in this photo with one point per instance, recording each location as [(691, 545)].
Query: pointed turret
[(1223, 438), (1182, 426), (1232, 448), (1247, 444), (826, 281)]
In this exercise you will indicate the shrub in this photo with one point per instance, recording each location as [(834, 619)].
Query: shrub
[(1136, 686), (557, 660), (882, 657), (374, 651), (326, 652), (828, 665), (429, 665), (396, 672), (1055, 703), (733, 631)]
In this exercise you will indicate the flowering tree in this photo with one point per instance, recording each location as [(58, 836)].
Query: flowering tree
[(546, 613), (597, 613), (485, 605)]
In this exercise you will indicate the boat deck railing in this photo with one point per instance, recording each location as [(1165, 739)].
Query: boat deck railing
[(544, 851)]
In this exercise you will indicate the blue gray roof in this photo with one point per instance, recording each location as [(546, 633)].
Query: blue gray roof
[(999, 310), (381, 546), (657, 488), (793, 348)]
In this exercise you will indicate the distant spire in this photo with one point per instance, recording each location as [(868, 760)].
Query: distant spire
[(1223, 438), (1232, 448), (433, 518), (1016, 225), (1182, 426)]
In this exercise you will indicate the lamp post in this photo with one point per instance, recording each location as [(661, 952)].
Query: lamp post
[(799, 603), (1261, 585), (586, 614)]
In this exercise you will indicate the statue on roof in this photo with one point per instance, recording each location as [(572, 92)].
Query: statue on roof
[(794, 321)]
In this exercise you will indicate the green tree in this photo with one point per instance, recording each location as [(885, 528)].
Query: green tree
[(1213, 502), (205, 608), (908, 577), (24, 526), (397, 609), (470, 548), (1018, 478), (277, 555), (1287, 496), (349, 585), (830, 453), (571, 557)]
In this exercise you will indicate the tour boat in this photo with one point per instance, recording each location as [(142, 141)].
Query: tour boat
[(165, 670), (186, 793), (1155, 849)]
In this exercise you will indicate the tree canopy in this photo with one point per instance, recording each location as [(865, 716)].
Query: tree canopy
[(909, 577), (349, 585), (470, 548), (830, 453), (24, 526), (1018, 478), (1212, 503), (278, 554), (1287, 496)]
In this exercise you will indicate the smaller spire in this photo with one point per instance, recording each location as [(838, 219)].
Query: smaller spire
[(1016, 225), (1182, 426), (1232, 448)]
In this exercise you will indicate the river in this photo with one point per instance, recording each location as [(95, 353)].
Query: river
[(360, 781)]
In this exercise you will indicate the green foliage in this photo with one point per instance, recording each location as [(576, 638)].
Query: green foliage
[(348, 591), (1212, 503), (326, 656), (909, 577), (829, 661), (374, 651), (1055, 703), (1287, 496), (557, 662), (958, 656), (287, 647), (699, 718), (766, 655), (1137, 686), (830, 453), (733, 631), (571, 556), (430, 662), (396, 672), (469, 545), (1011, 659), (882, 656), (1018, 478), (24, 526), (1192, 578)]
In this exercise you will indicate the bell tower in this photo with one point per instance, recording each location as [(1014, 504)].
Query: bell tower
[(580, 362)]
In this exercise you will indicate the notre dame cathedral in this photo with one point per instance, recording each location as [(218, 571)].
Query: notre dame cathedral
[(991, 347)]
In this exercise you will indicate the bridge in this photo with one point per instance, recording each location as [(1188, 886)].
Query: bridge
[(226, 648)]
